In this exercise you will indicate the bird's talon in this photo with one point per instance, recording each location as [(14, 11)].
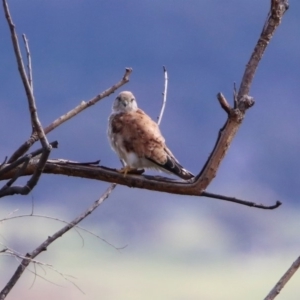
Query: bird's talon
[(128, 170), (125, 170)]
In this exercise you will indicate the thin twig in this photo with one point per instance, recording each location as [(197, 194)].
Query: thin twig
[(235, 99), (29, 68), (284, 279), (34, 278), (37, 275), (26, 261), (240, 201), (4, 162), (223, 102), (19, 258), (60, 220), (164, 96)]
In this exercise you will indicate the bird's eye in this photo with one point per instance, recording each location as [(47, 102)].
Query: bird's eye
[(132, 99), (118, 98)]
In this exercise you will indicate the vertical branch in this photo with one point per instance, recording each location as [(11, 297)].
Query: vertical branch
[(164, 96), (32, 106), (31, 101), (277, 10), (29, 68)]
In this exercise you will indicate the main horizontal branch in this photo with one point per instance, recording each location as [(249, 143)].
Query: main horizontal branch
[(154, 183)]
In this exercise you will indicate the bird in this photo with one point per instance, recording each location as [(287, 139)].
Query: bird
[(137, 139)]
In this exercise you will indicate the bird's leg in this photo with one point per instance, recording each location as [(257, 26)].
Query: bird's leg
[(128, 170), (125, 170)]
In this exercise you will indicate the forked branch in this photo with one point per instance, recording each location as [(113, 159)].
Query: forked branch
[(36, 124)]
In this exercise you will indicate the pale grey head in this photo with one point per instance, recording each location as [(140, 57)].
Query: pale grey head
[(125, 102)]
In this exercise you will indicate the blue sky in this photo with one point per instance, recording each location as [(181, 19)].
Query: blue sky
[(177, 246)]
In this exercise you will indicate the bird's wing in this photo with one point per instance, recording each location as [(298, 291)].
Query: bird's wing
[(141, 135)]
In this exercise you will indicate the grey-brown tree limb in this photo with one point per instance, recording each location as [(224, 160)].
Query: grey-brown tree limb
[(8, 189), (284, 279), (164, 101)]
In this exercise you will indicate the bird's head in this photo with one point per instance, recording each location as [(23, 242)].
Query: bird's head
[(125, 102)]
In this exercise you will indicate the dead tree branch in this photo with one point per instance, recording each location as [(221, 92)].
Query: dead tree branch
[(19, 257), (43, 247), (31, 101), (4, 168), (155, 183), (240, 201), (164, 96), (8, 189), (277, 10), (29, 67), (283, 280)]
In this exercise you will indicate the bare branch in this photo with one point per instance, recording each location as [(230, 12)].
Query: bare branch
[(7, 167), (83, 105), (4, 162), (19, 173), (33, 114), (62, 221), (29, 68), (277, 10), (224, 104), (283, 280), (154, 183), (164, 96), (31, 101), (236, 115), (43, 247), (19, 257), (239, 201), (25, 160), (235, 101)]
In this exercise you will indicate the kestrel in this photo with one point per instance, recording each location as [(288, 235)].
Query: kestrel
[(137, 140)]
